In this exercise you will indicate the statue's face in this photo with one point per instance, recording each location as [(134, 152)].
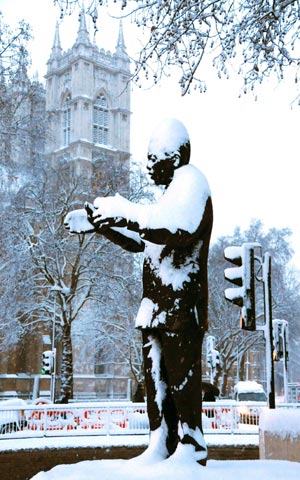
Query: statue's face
[(161, 170)]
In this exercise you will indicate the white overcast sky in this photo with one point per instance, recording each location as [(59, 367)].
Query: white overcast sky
[(249, 151)]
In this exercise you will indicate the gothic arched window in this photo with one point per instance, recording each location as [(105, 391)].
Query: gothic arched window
[(67, 121), (100, 120)]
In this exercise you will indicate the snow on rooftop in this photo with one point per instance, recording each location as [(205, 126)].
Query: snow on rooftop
[(248, 386)]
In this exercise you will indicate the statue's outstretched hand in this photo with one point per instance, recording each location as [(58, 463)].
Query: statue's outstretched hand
[(77, 222), (94, 217), (89, 209), (104, 213)]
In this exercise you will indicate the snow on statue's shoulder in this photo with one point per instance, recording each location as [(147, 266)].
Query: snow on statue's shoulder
[(187, 196), (182, 205)]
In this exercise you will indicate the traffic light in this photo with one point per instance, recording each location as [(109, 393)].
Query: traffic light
[(244, 277), (280, 338), (47, 364), (210, 345), (215, 358), (212, 355)]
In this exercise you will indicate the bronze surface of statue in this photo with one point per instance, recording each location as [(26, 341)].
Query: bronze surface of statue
[(174, 234)]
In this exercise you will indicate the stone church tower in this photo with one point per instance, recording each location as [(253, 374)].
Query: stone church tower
[(88, 102), (88, 99)]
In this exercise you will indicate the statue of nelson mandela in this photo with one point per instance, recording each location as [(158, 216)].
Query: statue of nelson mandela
[(174, 234)]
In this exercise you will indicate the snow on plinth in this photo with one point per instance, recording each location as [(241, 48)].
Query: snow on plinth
[(279, 434), (174, 469)]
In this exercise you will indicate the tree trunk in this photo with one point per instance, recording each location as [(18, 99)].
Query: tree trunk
[(224, 384), (66, 389), (242, 368), (139, 395)]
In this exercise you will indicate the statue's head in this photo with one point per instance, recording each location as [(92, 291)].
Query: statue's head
[(169, 148)]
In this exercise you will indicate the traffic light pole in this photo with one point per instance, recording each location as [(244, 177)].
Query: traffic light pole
[(52, 381), (53, 373), (285, 379), (268, 329)]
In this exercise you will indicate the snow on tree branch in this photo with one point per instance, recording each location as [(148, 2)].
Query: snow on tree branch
[(257, 37)]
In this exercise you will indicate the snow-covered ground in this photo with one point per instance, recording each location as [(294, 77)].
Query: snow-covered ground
[(178, 467)]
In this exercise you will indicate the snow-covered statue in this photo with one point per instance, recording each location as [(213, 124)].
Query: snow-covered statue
[(174, 235)]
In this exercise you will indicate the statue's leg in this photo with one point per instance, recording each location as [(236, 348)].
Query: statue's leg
[(182, 354), (161, 410)]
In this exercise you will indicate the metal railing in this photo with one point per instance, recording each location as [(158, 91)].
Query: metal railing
[(118, 418)]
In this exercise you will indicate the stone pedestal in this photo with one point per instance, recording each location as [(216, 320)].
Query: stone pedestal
[(279, 434)]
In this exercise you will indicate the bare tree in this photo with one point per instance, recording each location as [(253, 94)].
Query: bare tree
[(13, 51), (22, 113), (16, 92), (22, 130), (258, 37), (44, 273), (116, 337), (61, 274)]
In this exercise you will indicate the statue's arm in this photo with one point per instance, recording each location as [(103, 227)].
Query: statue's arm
[(124, 238), (183, 213), (161, 236), (79, 221)]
